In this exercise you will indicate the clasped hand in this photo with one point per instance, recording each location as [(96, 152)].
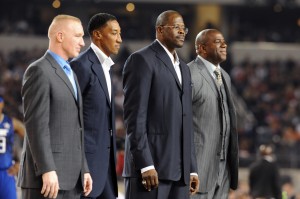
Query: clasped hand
[(150, 179)]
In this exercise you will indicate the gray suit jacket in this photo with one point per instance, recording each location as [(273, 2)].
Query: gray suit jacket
[(53, 121), (207, 126)]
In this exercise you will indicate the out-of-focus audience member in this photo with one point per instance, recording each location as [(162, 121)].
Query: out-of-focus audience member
[(264, 177), (9, 165), (288, 189)]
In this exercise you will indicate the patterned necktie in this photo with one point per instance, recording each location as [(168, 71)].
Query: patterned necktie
[(219, 77)]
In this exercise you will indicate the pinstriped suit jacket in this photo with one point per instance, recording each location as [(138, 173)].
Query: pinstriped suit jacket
[(53, 120), (207, 126)]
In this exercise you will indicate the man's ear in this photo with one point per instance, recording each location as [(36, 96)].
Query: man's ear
[(159, 29), (97, 34), (59, 36)]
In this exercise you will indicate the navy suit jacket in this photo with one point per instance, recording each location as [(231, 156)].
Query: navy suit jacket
[(99, 120), (158, 116)]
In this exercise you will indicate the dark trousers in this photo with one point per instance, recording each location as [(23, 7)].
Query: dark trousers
[(108, 191), (166, 190)]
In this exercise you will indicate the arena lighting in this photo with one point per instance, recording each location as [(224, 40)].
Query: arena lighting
[(130, 7), (56, 4)]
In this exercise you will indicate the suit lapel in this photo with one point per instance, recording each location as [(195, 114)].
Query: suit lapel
[(97, 68), (59, 72), (206, 75), (79, 98), (163, 56)]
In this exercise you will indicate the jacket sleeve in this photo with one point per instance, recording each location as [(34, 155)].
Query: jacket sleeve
[(137, 75), (36, 105)]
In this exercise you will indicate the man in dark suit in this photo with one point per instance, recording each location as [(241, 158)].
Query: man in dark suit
[(214, 118), (264, 177), (53, 163), (159, 153), (93, 72)]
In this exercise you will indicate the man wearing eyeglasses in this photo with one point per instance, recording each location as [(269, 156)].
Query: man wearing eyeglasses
[(160, 161), (214, 118)]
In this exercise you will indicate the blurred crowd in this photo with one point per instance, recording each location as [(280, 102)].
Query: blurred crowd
[(271, 90)]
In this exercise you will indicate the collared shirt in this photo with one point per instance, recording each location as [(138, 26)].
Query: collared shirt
[(106, 63), (210, 67), (175, 61), (68, 71)]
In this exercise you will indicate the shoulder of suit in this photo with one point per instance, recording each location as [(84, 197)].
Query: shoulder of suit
[(192, 64), (225, 74)]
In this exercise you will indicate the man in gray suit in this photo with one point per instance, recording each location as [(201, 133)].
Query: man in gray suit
[(53, 163), (214, 118)]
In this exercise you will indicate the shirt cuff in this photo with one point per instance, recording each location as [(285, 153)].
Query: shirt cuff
[(194, 174), (143, 170)]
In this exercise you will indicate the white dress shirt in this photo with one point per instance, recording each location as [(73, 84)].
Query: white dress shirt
[(174, 60), (106, 63)]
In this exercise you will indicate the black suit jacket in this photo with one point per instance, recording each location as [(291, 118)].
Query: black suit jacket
[(264, 180), (99, 120), (158, 116)]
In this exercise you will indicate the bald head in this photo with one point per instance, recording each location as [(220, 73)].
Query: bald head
[(164, 17), (59, 24), (203, 37)]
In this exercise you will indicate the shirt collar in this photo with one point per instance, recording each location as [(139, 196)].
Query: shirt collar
[(58, 58), (105, 61), (210, 67), (175, 61)]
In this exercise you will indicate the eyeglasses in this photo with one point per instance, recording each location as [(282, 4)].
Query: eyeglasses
[(178, 28)]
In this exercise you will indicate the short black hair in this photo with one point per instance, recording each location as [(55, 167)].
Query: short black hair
[(99, 20)]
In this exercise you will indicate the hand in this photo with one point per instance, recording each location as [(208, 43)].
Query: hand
[(194, 184), (88, 184), (50, 184), (150, 179), (13, 170)]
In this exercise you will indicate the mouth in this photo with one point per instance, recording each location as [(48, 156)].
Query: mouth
[(181, 39)]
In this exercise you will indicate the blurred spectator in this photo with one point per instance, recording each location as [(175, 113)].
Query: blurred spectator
[(288, 189), (9, 160), (264, 178)]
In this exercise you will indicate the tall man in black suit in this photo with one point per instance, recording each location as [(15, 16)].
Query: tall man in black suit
[(159, 152), (92, 69), (53, 161)]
